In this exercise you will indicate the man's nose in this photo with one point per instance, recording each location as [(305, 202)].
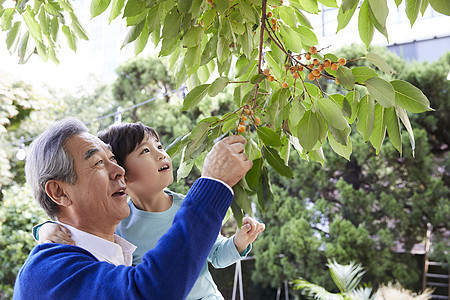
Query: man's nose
[(117, 172)]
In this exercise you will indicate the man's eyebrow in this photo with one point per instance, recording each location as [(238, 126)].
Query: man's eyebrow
[(90, 152)]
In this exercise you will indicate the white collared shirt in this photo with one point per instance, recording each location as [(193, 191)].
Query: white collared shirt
[(118, 253)]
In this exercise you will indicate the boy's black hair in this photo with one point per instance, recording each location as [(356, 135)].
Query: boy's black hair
[(124, 138)]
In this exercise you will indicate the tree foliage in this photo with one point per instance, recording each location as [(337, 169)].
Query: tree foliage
[(273, 46)]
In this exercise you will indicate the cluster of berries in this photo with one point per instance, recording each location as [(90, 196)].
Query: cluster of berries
[(275, 26), (315, 67), (247, 115)]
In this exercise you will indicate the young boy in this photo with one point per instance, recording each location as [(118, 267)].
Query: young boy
[(148, 171)]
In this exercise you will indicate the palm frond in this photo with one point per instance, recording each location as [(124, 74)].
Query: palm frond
[(361, 293), (315, 291), (346, 277)]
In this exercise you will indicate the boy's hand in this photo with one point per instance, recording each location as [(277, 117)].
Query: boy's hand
[(247, 233), (54, 233)]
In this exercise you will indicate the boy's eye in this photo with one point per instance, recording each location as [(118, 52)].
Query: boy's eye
[(145, 150), (160, 147)]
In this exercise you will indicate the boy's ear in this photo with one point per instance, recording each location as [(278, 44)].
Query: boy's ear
[(55, 190)]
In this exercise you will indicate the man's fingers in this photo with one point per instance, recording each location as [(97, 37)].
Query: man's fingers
[(237, 147), (232, 139)]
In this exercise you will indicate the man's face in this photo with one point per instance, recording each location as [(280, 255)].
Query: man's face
[(98, 197)]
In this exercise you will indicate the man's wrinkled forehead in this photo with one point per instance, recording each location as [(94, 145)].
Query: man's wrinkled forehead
[(86, 145)]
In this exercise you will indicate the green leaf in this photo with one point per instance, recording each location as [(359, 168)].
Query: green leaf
[(307, 36), (352, 98), (343, 104), (308, 131), (168, 45), (44, 22), (269, 137), (217, 86), (345, 77), (134, 20), (398, 2), (142, 40), (309, 6), (380, 10), (412, 10), (54, 28), (193, 36), (441, 6), (221, 5), (12, 34), (379, 62), (343, 150), (133, 33), (285, 14), (291, 38), (184, 5), (241, 198), (253, 175), (341, 136), (71, 38), (409, 97), (257, 78), (344, 18), (23, 44), (424, 6), (361, 74), (78, 28), (379, 128), (7, 18), (252, 150), (195, 96), (172, 24), (302, 19), (53, 8), (42, 51), (332, 113), (401, 112), (32, 25), (223, 50), (365, 26), (393, 128), (230, 123), (348, 4), (296, 113), (381, 90), (184, 169), (237, 27), (329, 3), (65, 5), (381, 28), (116, 9), (273, 64), (274, 159), (98, 6), (154, 18), (366, 117), (237, 213), (247, 12)]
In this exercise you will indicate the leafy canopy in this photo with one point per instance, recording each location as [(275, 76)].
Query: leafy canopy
[(267, 51)]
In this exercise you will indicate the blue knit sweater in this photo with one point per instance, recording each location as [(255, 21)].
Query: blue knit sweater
[(55, 271)]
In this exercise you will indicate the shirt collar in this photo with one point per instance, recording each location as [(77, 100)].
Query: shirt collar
[(118, 253)]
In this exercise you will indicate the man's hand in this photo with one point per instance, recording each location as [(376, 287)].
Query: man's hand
[(227, 161), (54, 233), (248, 233)]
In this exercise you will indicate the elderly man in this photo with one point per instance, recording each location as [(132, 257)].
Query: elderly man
[(75, 179)]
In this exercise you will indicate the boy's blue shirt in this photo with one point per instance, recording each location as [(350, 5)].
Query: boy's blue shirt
[(55, 271), (144, 229)]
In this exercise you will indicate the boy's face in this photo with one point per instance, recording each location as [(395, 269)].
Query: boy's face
[(148, 168)]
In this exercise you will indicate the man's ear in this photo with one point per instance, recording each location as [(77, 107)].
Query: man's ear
[(55, 190)]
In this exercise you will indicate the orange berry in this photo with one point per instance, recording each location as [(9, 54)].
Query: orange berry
[(284, 85), (320, 76), (295, 75), (313, 50), (300, 68), (342, 61), (320, 68), (327, 63), (336, 81), (311, 76), (271, 78), (334, 66), (292, 69), (274, 21), (242, 123), (244, 118), (311, 66), (315, 72), (266, 72), (241, 129), (247, 111), (257, 121), (269, 14), (275, 27), (308, 56), (316, 61)]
